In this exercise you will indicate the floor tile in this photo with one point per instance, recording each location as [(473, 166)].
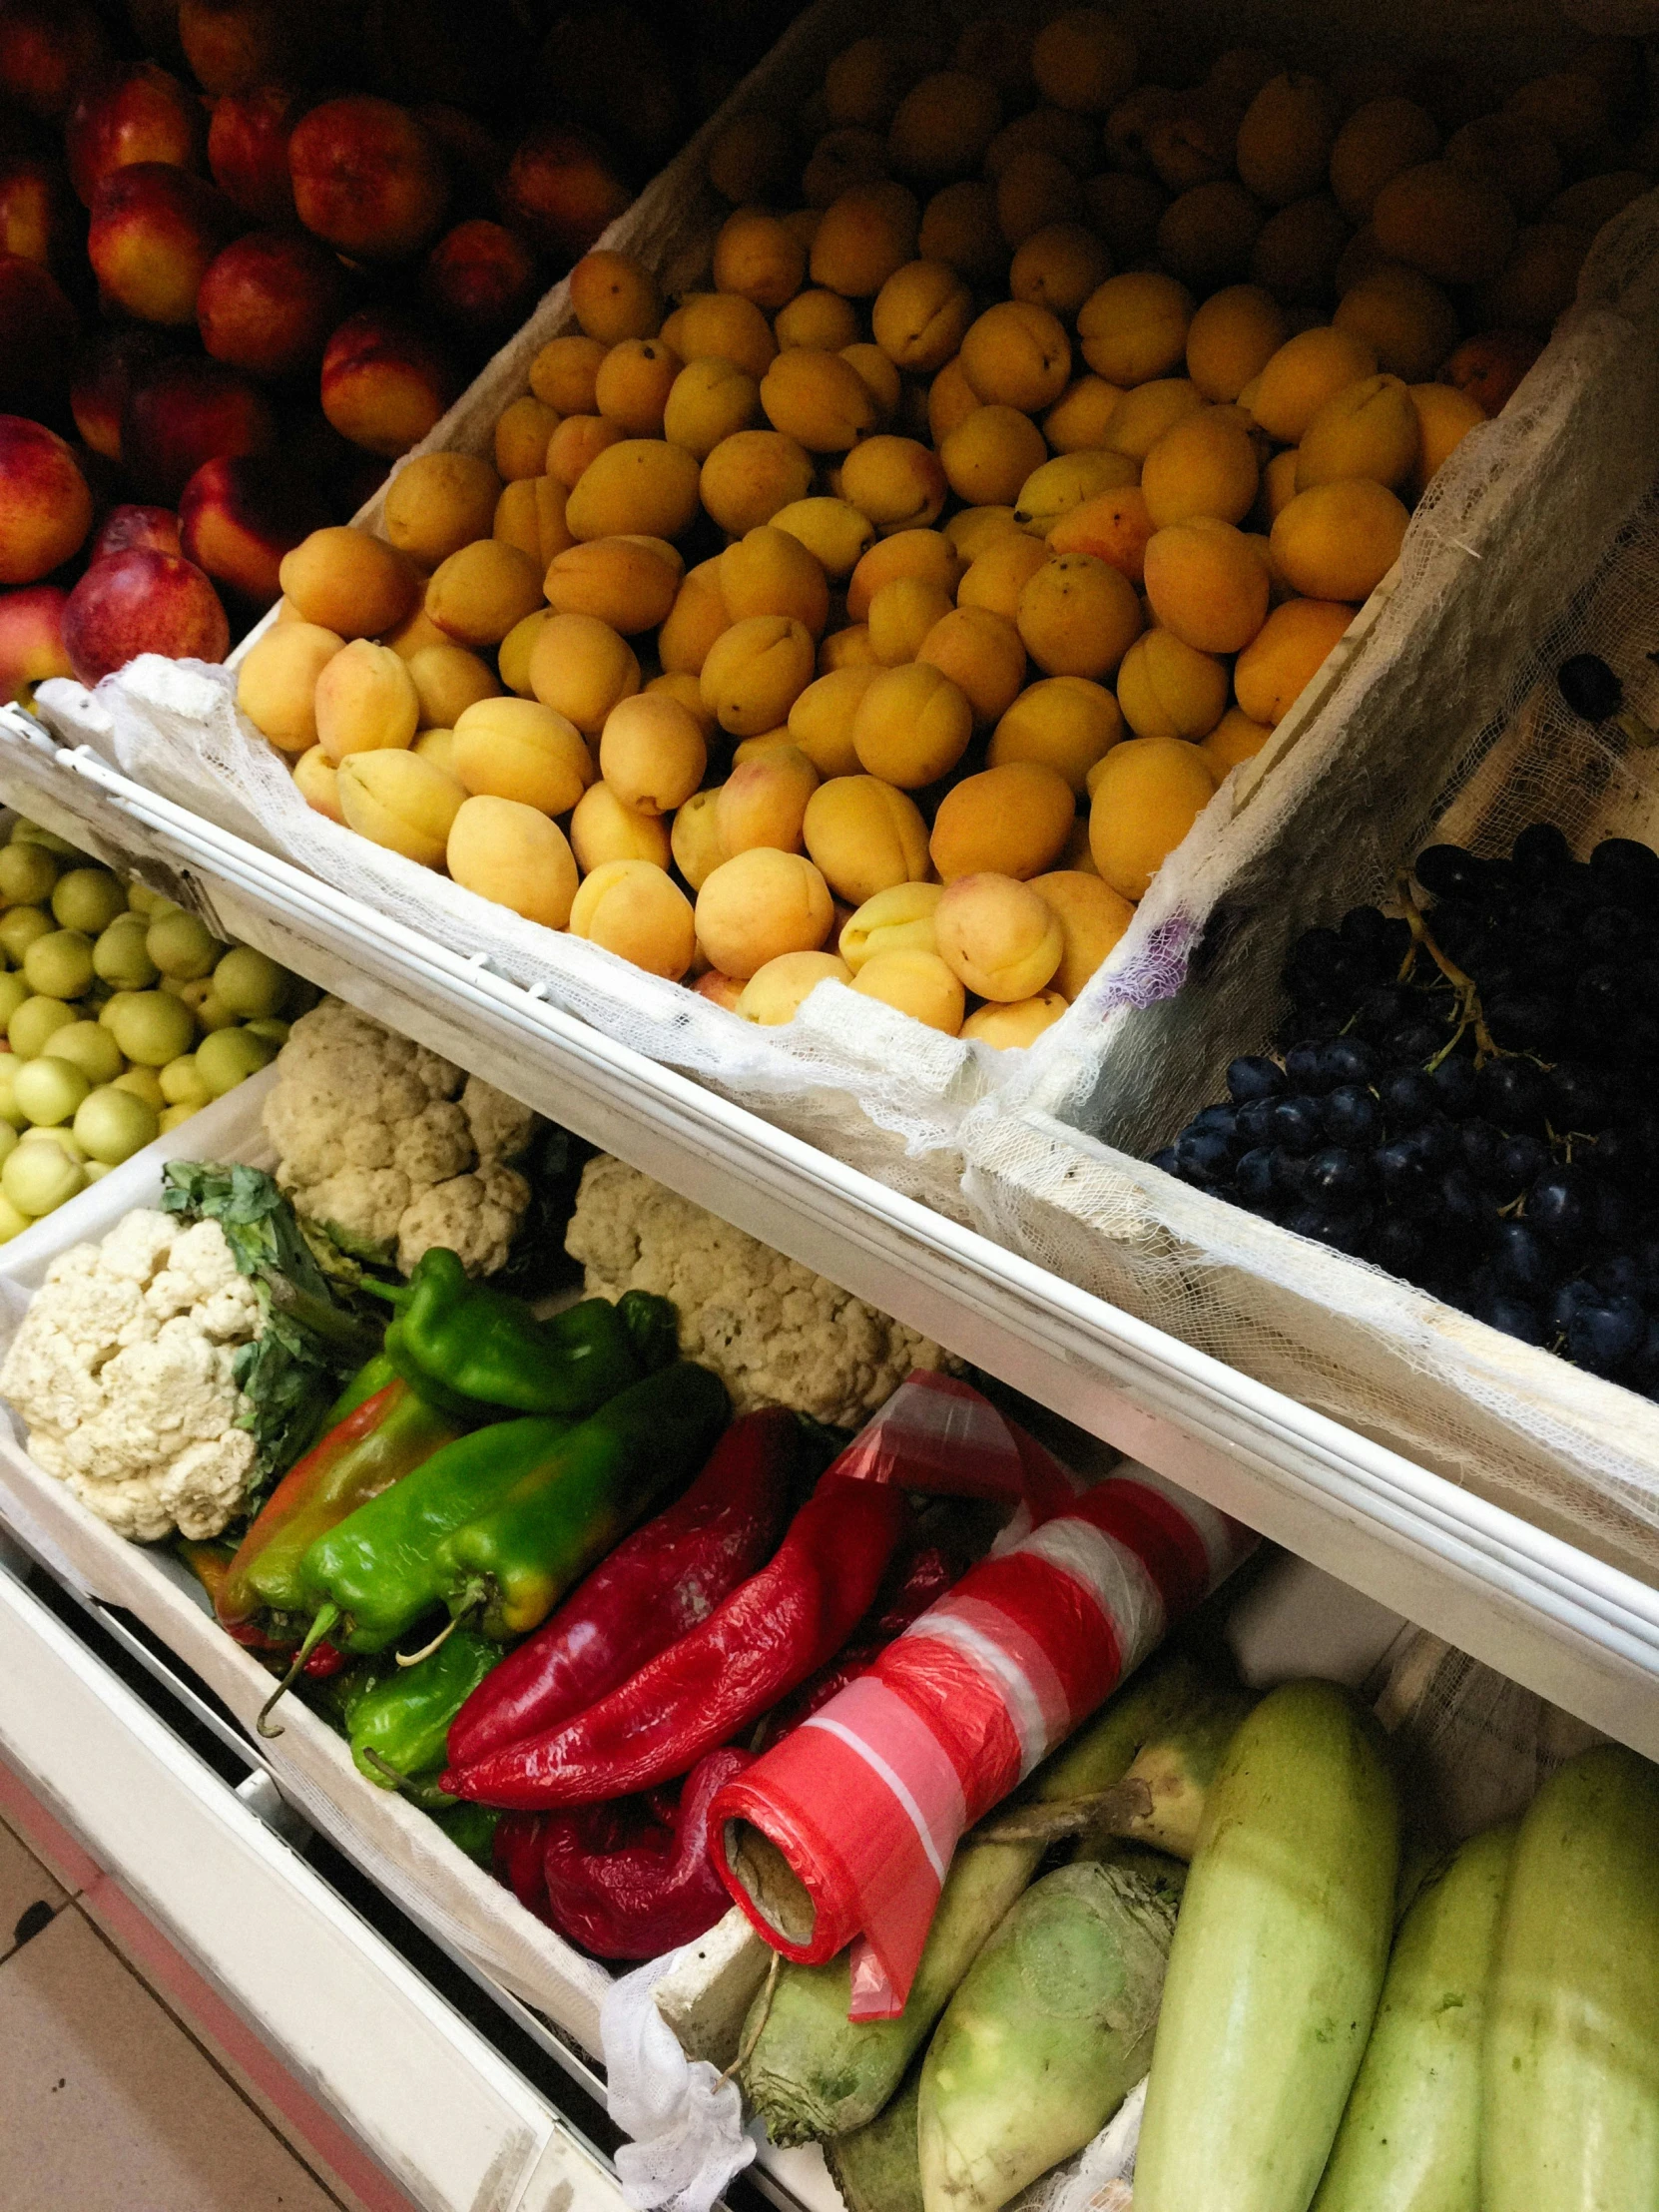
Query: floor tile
[(27, 1892), (107, 2105)]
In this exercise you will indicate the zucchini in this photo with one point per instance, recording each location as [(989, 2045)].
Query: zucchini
[(1277, 1963), (1570, 2077), (878, 2168), (1411, 2137)]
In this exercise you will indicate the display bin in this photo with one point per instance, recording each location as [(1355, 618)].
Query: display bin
[(876, 1090)]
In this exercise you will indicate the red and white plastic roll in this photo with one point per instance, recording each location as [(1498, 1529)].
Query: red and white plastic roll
[(868, 1798)]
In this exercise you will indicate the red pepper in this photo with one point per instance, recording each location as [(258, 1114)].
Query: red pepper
[(916, 1581), (635, 1878), (211, 1564), (771, 1633), (661, 1581), (517, 1849)]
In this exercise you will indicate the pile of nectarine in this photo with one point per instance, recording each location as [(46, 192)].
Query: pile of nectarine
[(891, 608), (237, 229)]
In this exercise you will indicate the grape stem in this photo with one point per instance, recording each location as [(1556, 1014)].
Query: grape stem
[(1469, 993)]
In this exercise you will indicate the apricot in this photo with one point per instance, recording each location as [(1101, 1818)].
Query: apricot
[(1076, 423), (849, 648), (1410, 322), (1594, 200), (836, 534), (413, 635), (1034, 189), (695, 840), (818, 400), (911, 725), (316, 780), (755, 670), (823, 320), (866, 233), (1456, 228), (1169, 689), (1339, 540), (1371, 429), (1067, 138), (1306, 370), (1052, 490), (579, 440), (633, 384), (1092, 918), (1065, 722), (438, 747), (960, 226), (399, 801), (971, 529), (530, 513), (879, 377), (1148, 794), (1012, 1028), (1207, 584), (1134, 327), (635, 909), (563, 374), (983, 654), (898, 919), (709, 400), (438, 502), (641, 487), (1083, 61), (900, 616), (602, 829), (996, 579), (1012, 820), (1285, 141), (1113, 525), (759, 905), (720, 325), (951, 401), (518, 749), (478, 594), (515, 856), (1295, 255), (1203, 465), (277, 683), (1232, 337), (895, 481), (820, 721), (989, 455), (1375, 143), (864, 84), (718, 989), (865, 836), (749, 158), (1285, 655), (839, 163), (629, 582), (768, 572), (1538, 282), (580, 668), (758, 257), (696, 619), (447, 679), (522, 433), (764, 800), (1016, 354), (776, 993), (1571, 104), (1233, 739), (1125, 212), (1511, 152), (915, 983), (614, 296), (1078, 616), (1444, 418), (943, 125), (1205, 237), (748, 476), (919, 316), (363, 700), (997, 936), (344, 580), (1147, 411), (684, 690)]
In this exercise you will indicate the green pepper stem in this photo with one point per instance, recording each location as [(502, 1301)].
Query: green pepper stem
[(394, 1294), (328, 1618), (471, 1598), (396, 1779)]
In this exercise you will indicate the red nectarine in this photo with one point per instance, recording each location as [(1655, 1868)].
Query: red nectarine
[(31, 639), (238, 517), (138, 602), (383, 385), (38, 333), (367, 178), (45, 504), (270, 300), (38, 218), (184, 412), (561, 189), (481, 277), (248, 151), (232, 44), (154, 231), (46, 48), (155, 527), (102, 374), (136, 114), (1490, 366)]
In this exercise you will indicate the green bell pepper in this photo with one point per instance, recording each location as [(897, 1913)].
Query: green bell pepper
[(463, 1346), (400, 1727)]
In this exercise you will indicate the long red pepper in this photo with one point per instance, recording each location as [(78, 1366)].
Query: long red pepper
[(772, 1633), (926, 1573), (636, 1878), (660, 1583)]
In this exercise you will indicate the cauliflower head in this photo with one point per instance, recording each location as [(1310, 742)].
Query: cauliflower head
[(392, 1146), (121, 1373), (775, 1332)]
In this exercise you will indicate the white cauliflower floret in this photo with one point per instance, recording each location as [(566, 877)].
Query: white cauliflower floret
[(372, 1131), (122, 1374), (474, 1214), (775, 1332)]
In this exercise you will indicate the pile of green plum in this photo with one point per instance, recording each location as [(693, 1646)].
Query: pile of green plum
[(123, 1015)]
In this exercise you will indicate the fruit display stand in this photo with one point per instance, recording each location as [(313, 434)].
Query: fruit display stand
[(1541, 1609)]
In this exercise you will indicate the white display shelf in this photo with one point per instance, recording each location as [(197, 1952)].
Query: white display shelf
[(1568, 1625)]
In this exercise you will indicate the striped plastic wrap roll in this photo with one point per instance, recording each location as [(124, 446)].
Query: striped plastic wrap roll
[(866, 1801)]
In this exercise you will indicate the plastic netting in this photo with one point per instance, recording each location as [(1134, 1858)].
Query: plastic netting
[(1540, 540)]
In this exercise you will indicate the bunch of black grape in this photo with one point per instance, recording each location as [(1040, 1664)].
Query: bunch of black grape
[(1472, 1103)]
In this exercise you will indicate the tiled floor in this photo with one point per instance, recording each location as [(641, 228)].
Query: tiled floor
[(108, 2103)]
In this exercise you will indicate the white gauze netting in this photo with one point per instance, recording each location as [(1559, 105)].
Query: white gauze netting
[(1540, 539)]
